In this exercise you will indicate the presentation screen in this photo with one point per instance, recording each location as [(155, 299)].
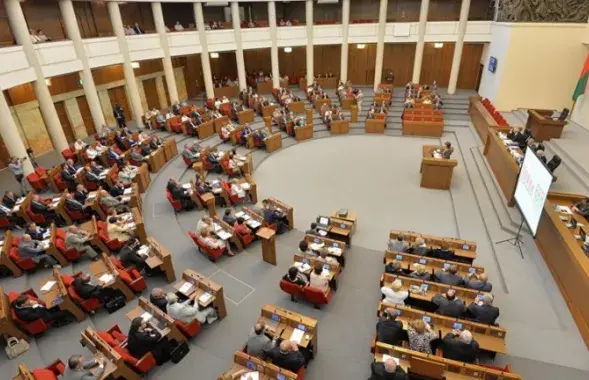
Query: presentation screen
[(532, 188)]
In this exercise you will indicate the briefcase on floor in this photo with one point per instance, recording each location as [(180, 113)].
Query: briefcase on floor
[(179, 352), (115, 304)]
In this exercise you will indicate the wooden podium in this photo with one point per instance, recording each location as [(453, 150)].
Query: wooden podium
[(436, 173), (544, 127), (268, 238)]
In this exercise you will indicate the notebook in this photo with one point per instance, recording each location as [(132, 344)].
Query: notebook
[(297, 335), (205, 297), (186, 288)]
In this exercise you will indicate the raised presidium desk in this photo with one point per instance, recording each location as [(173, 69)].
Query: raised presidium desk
[(464, 250), (437, 367), (423, 122), (436, 173), (282, 324), (195, 286), (503, 163), (561, 247), (543, 126)]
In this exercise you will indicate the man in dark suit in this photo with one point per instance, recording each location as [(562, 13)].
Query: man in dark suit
[(484, 311), (68, 173), (81, 194), (86, 290), (119, 114), (117, 190), (394, 268), (442, 253), (40, 206), (312, 230), (478, 282), (388, 329), (158, 298), (448, 275), (180, 194), (228, 218), (29, 310), (71, 204), (287, 356), (35, 232), (387, 370), (9, 199), (460, 346), (95, 168), (449, 305)]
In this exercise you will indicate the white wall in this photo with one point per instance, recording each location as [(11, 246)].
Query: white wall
[(537, 65)]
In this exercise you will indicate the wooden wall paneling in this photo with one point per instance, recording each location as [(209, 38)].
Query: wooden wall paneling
[(83, 11), (21, 94), (256, 60), (193, 75), (148, 67), (182, 12), (403, 10), (146, 20), (64, 83), (327, 12), (4, 155), (107, 74), (399, 58), (119, 95), (293, 64), (166, 90), (102, 20), (327, 58), (469, 66), (258, 11), (86, 115), (213, 14), (151, 96), (44, 15), (481, 10), (361, 64), (130, 13), (444, 10), (65, 122), (437, 63), (6, 37), (295, 10), (364, 10), (225, 65)]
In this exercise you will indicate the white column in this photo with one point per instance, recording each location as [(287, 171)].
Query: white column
[(160, 27), (11, 137), (464, 9), (310, 59), (21, 34), (73, 32), (343, 74), (382, 25), (274, 48), (238, 46), (204, 54), (420, 38), (130, 81)]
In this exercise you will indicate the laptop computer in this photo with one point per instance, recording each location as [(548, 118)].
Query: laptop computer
[(323, 221)]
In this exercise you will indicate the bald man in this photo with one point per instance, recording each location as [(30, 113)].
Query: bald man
[(484, 311), (387, 370), (158, 298), (448, 304), (258, 341), (478, 282), (287, 356)]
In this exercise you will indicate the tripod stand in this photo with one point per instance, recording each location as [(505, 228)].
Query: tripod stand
[(515, 241)]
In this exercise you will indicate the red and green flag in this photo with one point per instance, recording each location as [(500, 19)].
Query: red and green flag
[(582, 83)]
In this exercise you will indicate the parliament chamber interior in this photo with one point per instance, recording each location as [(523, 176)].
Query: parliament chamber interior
[(207, 189)]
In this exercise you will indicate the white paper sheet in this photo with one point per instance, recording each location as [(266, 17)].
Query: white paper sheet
[(48, 285), (297, 335), (146, 316), (107, 277), (385, 357), (186, 288)]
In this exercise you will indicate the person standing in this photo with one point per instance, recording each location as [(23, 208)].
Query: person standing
[(16, 168), (119, 114)]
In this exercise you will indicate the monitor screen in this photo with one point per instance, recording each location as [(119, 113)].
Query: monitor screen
[(280, 377), (466, 247), (446, 265), (316, 240), (422, 261), (305, 261), (573, 222), (492, 64), (275, 317), (325, 266), (335, 245), (399, 257), (472, 270), (457, 326), (250, 365), (301, 327), (531, 190), (426, 319), (323, 220), (583, 234)]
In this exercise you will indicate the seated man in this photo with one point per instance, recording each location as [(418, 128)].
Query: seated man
[(41, 206), (137, 156), (258, 341), (117, 190), (86, 290), (287, 356), (419, 247), (238, 190), (95, 168), (387, 370), (226, 131), (71, 204), (77, 239), (296, 277), (399, 244), (35, 232), (213, 160), (448, 276), (180, 194), (312, 230), (187, 312), (388, 329), (394, 268), (460, 346), (324, 257), (228, 218), (304, 248), (478, 282), (112, 202), (273, 215), (319, 280), (158, 298), (213, 243), (68, 173), (28, 248), (91, 176), (81, 194), (114, 156), (484, 311), (80, 369), (9, 199), (29, 310), (582, 208), (448, 304), (443, 253), (119, 230), (127, 174)]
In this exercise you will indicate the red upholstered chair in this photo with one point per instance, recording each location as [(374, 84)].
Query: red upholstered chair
[(68, 153), (5, 223), (59, 182), (190, 330), (26, 264), (213, 254), (70, 254), (37, 218), (89, 305), (187, 161), (43, 374), (113, 244), (225, 165), (36, 327), (57, 367), (210, 103), (295, 291), (36, 182), (234, 199), (142, 365), (100, 224), (316, 296), (177, 205), (117, 334), (176, 125), (91, 186), (246, 239), (133, 279)]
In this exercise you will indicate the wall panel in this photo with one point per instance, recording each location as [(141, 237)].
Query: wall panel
[(102, 20), (327, 58), (106, 74), (361, 64), (469, 66), (21, 94), (119, 95), (150, 90), (225, 65), (399, 58), (6, 38), (132, 12), (64, 83), (65, 122), (437, 64), (192, 73), (293, 64), (183, 12), (83, 11), (86, 115), (256, 60)]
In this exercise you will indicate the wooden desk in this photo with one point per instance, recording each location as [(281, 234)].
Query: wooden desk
[(143, 178), (228, 91), (19, 210), (59, 296), (91, 227), (320, 102), (202, 285), (161, 258), (267, 111), (490, 338), (350, 217), (462, 248), (312, 261), (309, 116), (502, 164), (374, 126), (454, 370), (157, 159), (284, 208), (435, 173), (564, 256), (281, 322), (115, 366), (5, 255), (170, 148), (104, 266), (304, 133), (220, 122), (297, 107), (408, 260), (268, 238), (51, 173), (420, 125), (339, 127), (7, 325), (246, 116), (481, 118), (266, 370), (273, 142), (226, 228), (52, 250), (335, 248), (139, 226), (543, 127), (327, 82), (264, 87), (158, 320), (205, 129), (340, 229)]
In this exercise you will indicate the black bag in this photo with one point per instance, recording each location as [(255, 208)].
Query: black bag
[(179, 352), (115, 304)]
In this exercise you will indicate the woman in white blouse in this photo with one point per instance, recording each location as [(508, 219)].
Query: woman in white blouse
[(237, 190), (318, 280), (394, 295)]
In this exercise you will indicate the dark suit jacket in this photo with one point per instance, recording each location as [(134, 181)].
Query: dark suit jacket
[(448, 278), (472, 283), (81, 196), (456, 350), (30, 314), (116, 191), (178, 193), (379, 373), (39, 208), (484, 314), (9, 202), (454, 308), (97, 170), (140, 343), (86, 291), (441, 254), (36, 234), (229, 220), (161, 303), (74, 205), (291, 361), (389, 331)]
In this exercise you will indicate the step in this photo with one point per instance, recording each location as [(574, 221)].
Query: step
[(572, 175)]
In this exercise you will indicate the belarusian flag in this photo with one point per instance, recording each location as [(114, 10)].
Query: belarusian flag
[(582, 83)]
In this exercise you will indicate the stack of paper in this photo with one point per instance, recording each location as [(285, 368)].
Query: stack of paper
[(205, 297), (125, 199), (128, 191), (216, 227), (325, 272), (316, 246), (303, 267), (46, 234), (19, 201), (106, 278), (186, 186), (240, 214), (146, 316), (143, 250), (45, 244), (16, 208), (253, 223), (564, 209), (334, 251), (223, 234), (297, 336), (186, 288), (251, 376), (131, 226), (48, 285)]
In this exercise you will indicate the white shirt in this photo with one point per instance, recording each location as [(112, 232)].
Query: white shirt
[(91, 153), (237, 190), (319, 281), (392, 297), (200, 225), (178, 27)]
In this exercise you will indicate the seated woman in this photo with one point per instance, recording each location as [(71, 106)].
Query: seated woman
[(142, 339), (127, 174), (213, 243), (226, 131), (296, 277), (318, 278), (237, 190)]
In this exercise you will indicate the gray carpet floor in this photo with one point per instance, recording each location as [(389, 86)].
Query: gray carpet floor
[(378, 177)]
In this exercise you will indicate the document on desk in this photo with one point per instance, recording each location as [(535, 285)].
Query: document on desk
[(46, 234), (19, 201), (564, 209), (131, 226), (146, 316), (303, 267), (240, 214), (125, 199), (106, 278), (386, 357), (128, 191), (48, 285), (224, 235), (297, 335), (216, 227), (253, 223), (186, 186), (16, 208), (143, 251), (334, 251), (251, 376), (186, 288), (205, 297), (45, 244), (245, 186), (316, 246)]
